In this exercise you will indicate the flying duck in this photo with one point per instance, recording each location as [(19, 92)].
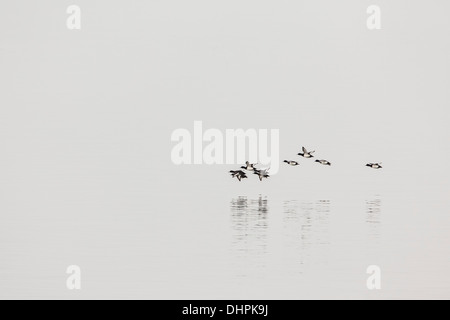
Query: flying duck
[(249, 166), (324, 162), (291, 163), (239, 174), (306, 154), (263, 173), (374, 165)]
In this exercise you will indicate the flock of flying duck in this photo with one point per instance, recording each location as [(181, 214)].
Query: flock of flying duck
[(264, 173)]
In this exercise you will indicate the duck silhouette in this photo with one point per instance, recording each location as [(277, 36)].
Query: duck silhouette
[(374, 165), (249, 166), (324, 162), (262, 174), (239, 174), (306, 153)]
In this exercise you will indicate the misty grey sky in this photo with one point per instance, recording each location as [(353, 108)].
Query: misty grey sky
[(86, 116)]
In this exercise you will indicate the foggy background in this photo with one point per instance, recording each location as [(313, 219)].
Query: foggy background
[(86, 176)]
